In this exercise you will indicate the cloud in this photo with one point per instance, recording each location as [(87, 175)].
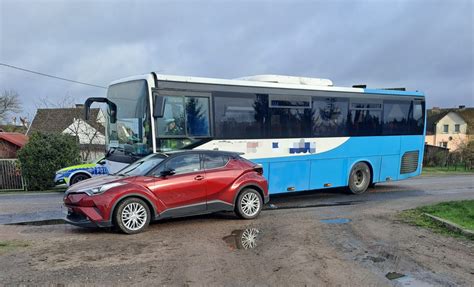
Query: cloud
[(423, 45)]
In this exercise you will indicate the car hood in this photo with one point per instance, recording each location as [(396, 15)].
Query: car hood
[(98, 181)]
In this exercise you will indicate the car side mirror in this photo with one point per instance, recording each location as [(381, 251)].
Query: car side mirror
[(102, 162), (167, 172)]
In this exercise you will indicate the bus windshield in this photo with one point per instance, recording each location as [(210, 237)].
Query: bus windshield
[(132, 131)]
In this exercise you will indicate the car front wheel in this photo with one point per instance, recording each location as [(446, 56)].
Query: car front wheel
[(132, 216), (79, 177), (249, 204)]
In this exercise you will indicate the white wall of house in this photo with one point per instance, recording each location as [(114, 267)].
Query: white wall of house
[(451, 119), (85, 132), (450, 138), (101, 118)]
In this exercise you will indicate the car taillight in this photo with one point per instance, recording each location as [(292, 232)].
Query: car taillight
[(258, 168)]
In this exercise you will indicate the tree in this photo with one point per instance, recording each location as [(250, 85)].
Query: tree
[(66, 101), (43, 155), (9, 103)]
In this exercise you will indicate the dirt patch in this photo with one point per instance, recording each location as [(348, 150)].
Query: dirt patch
[(292, 247)]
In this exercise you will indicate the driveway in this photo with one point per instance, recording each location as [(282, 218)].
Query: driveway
[(312, 238)]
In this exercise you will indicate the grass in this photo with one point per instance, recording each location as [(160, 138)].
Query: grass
[(459, 212), (8, 245), (445, 171)]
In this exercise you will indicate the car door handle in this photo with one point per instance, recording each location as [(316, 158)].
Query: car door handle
[(199, 177)]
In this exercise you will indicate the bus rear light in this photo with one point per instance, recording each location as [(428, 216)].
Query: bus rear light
[(327, 184), (291, 188)]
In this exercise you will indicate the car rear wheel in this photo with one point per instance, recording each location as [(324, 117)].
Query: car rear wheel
[(132, 216), (359, 178), (249, 204), (78, 177)]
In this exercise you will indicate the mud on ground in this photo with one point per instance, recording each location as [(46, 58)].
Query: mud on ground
[(293, 247)]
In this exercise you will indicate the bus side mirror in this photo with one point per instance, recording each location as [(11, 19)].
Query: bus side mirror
[(159, 105), (112, 107)]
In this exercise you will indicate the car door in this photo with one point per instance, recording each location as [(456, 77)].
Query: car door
[(221, 171), (184, 191)]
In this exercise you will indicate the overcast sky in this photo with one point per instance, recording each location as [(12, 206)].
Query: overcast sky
[(421, 45)]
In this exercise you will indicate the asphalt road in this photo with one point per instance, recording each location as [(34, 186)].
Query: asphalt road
[(311, 238), (26, 207)]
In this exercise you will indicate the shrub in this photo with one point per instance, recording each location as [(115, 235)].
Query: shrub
[(43, 155)]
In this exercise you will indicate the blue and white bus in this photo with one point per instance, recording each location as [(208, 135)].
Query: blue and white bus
[(306, 133)]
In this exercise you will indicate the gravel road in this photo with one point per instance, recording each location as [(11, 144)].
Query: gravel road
[(311, 238)]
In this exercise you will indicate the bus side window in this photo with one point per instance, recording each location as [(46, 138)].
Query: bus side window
[(418, 117), (365, 117), (197, 115), (396, 117), (329, 117)]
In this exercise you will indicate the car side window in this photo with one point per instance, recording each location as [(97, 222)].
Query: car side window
[(214, 160), (184, 163)]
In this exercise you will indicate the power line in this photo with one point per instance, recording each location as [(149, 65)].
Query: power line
[(51, 76)]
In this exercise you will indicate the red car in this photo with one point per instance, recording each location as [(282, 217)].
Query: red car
[(168, 185)]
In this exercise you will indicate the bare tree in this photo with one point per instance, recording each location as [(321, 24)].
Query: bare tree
[(67, 101), (9, 103), (88, 137)]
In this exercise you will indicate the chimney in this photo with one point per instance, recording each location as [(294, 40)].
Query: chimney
[(435, 110), (79, 106)]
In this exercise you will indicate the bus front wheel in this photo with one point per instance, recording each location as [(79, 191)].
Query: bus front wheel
[(359, 178)]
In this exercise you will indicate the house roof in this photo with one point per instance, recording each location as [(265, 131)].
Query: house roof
[(17, 139), (13, 128), (57, 120), (435, 115)]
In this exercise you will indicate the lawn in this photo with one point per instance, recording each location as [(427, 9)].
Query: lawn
[(445, 170), (459, 212)]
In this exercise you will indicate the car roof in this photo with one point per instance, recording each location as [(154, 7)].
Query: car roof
[(216, 152)]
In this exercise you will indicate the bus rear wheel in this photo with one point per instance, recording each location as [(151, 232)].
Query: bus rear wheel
[(359, 178)]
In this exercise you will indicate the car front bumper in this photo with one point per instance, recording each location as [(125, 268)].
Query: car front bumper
[(77, 219), (83, 211)]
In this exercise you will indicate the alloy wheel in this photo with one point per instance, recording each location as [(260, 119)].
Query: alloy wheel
[(134, 216), (250, 204)]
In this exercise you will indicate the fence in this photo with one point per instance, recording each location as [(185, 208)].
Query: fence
[(10, 175)]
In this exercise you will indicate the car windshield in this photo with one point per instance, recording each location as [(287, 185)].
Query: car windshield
[(142, 166)]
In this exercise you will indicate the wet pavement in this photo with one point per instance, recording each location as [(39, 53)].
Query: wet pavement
[(45, 206), (23, 207)]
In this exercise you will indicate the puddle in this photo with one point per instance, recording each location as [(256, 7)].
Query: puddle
[(375, 259), (394, 275), (242, 238), (330, 204), (406, 280), (410, 281), (40, 222), (336, 220)]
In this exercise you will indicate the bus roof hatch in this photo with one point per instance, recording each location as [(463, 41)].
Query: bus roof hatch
[(282, 79)]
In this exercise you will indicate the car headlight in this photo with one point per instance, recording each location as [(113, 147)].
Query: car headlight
[(101, 189)]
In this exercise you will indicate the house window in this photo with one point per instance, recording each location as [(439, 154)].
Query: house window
[(443, 144), (457, 128), (445, 128)]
